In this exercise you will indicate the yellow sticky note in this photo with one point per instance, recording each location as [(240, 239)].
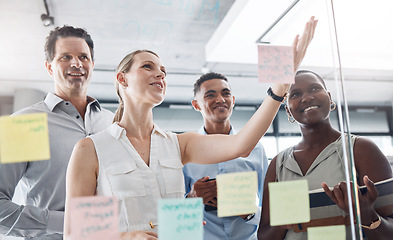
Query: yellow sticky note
[(326, 233), (236, 193), (289, 202), (24, 138)]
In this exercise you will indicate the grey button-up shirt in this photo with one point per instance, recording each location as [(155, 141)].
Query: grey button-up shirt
[(44, 181)]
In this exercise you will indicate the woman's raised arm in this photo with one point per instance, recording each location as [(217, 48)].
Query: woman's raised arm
[(217, 148)]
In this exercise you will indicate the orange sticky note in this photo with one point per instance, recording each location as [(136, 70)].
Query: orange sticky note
[(24, 138), (94, 217), (275, 64)]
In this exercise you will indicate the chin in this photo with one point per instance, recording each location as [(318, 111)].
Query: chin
[(158, 103), (221, 118)]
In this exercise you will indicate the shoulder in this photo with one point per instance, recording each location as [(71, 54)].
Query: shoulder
[(365, 147), (185, 141), (369, 160), (101, 134), (84, 149), (104, 117), (107, 112), (185, 137), (84, 144), (35, 108), (361, 142), (84, 154), (271, 171), (283, 155)]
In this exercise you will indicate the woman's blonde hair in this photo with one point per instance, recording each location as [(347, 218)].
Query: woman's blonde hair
[(124, 66)]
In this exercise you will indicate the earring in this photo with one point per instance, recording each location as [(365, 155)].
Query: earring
[(332, 106), (125, 85), (289, 119)]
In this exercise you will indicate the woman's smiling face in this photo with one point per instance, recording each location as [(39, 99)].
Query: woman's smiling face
[(308, 100)]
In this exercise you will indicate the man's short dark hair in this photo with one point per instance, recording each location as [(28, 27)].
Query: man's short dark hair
[(205, 77), (62, 32)]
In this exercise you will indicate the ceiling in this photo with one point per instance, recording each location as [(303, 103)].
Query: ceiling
[(179, 30)]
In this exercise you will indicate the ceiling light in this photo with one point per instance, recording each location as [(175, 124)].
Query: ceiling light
[(46, 18)]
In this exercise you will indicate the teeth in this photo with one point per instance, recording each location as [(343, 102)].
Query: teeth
[(309, 108), (75, 74), (156, 84)]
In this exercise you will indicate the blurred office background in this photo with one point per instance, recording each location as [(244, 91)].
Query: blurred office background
[(196, 36)]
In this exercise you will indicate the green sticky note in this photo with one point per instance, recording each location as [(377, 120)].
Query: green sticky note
[(236, 193), (24, 138), (336, 232), (180, 219), (289, 202)]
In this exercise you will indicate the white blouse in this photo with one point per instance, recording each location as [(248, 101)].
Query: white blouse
[(137, 186)]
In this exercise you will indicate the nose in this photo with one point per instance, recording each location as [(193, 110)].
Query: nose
[(220, 99), (307, 97), (160, 75), (75, 62)]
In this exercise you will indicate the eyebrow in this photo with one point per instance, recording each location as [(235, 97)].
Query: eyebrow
[(69, 53), (209, 91), (162, 68), (311, 85), (148, 61), (213, 91)]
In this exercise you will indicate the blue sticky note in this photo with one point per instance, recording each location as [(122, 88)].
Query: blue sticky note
[(180, 219)]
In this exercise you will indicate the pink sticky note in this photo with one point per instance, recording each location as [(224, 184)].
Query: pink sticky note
[(275, 64), (94, 218)]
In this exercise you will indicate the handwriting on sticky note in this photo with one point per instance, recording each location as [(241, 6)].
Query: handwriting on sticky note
[(94, 217), (180, 219), (24, 138), (236, 193), (275, 64), (289, 202), (336, 232)]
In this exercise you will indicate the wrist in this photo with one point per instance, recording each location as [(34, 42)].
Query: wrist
[(279, 97), (374, 224), (280, 89), (368, 215)]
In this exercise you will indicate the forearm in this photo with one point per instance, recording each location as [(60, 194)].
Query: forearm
[(384, 231), (23, 221), (257, 126), (271, 233), (28, 221)]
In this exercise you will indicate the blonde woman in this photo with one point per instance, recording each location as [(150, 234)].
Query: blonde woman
[(138, 162)]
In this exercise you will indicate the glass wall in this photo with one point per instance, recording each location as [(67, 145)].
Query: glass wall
[(371, 121)]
